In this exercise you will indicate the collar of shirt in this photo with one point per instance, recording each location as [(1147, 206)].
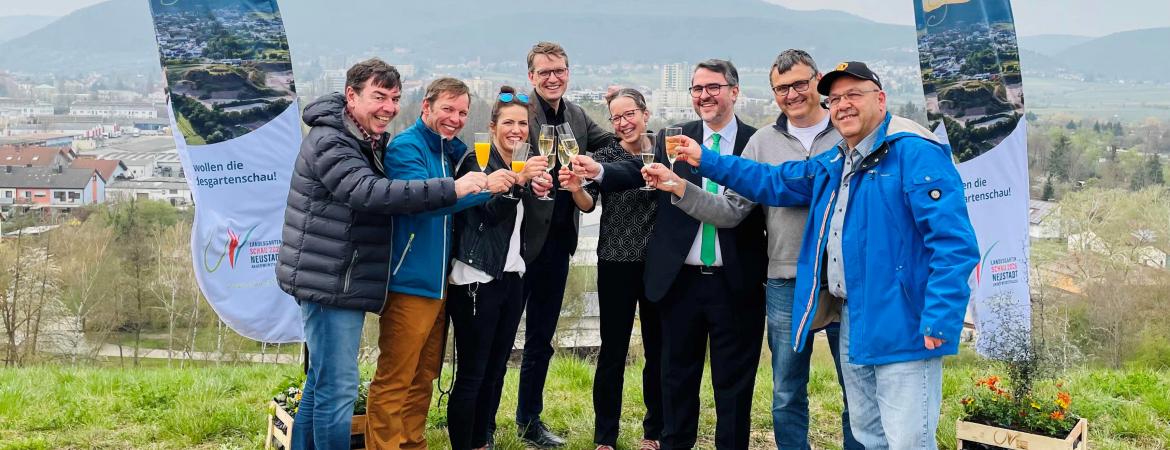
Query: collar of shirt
[(365, 135), (865, 147), (726, 136), (553, 117)]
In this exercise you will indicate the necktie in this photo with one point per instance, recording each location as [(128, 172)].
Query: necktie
[(707, 251)]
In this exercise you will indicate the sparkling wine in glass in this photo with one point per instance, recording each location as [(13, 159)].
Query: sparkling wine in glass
[(647, 155), (545, 142), (568, 146), (672, 136)]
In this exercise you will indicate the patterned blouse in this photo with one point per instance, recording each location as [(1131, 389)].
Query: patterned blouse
[(627, 217)]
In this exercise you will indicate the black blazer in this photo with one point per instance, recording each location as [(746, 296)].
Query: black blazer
[(590, 138), (744, 248)]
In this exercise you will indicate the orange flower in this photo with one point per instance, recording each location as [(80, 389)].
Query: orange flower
[(1057, 415), (966, 401), (1063, 400)]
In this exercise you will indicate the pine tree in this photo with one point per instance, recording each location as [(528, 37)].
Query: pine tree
[(1154, 170), (1060, 159), (1049, 193)]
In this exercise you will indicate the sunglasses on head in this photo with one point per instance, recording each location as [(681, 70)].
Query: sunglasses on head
[(508, 96)]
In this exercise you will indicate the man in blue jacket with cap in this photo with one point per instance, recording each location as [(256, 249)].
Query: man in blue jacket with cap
[(888, 241)]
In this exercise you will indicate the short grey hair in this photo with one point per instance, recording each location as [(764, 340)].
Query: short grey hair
[(788, 59), (722, 67)]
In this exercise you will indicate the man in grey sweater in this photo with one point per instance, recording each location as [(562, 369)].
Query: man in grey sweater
[(803, 130)]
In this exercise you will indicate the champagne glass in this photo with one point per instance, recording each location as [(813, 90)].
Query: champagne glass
[(483, 152), (568, 147), (519, 158), (545, 141), (672, 135), (647, 154)]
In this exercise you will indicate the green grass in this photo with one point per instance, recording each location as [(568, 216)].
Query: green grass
[(189, 133), (214, 407)]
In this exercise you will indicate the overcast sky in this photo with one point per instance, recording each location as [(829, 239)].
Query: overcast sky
[(1083, 17)]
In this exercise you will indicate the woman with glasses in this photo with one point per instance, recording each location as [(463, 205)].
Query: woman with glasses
[(486, 278), (627, 217)]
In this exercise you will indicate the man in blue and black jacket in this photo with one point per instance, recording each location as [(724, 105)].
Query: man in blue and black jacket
[(888, 238), (413, 322)]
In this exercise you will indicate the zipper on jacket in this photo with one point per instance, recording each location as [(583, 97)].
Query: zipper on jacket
[(402, 258), (816, 273), (446, 230), (349, 272)]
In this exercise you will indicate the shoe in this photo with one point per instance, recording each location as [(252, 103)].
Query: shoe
[(538, 435), (491, 443), (649, 444), (604, 447)]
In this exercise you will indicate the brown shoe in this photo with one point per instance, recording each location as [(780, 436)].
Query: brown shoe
[(649, 444)]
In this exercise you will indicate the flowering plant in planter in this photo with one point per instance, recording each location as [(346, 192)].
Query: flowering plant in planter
[(1045, 411), (288, 396)]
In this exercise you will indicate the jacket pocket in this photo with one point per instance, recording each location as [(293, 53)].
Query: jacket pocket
[(405, 251), (349, 271)]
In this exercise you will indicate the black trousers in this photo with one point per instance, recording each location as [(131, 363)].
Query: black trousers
[(544, 292), (697, 309), (620, 291), (485, 330)]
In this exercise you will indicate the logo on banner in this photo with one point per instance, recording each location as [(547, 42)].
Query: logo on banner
[(1003, 271), (231, 249)]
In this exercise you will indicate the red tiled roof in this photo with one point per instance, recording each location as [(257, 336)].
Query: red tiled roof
[(26, 156), (104, 167)]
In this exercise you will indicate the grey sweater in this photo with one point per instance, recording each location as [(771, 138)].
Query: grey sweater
[(771, 145)]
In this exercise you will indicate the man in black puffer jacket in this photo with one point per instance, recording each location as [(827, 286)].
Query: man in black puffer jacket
[(335, 254)]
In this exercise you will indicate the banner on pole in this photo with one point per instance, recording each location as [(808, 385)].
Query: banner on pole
[(236, 123), (974, 100)]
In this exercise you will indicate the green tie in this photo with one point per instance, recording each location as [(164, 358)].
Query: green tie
[(707, 251)]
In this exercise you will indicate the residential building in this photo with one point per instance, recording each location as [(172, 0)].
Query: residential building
[(168, 189), (50, 187), (24, 108), (36, 156), (1044, 220), (109, 169), (114, 109)]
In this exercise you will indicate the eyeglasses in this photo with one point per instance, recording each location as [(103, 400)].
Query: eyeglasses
[(712, 89), (628, 115), (799, 86), (544, 74), (853, 96), (507, 97)]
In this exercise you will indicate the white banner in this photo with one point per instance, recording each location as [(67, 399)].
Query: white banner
[(974, 98), (236, 123)]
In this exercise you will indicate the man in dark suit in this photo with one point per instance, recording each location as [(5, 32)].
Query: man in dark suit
[(551, 239), (708, 281)]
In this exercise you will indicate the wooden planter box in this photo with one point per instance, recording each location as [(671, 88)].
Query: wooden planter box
[(1078, 438), (283, 439)]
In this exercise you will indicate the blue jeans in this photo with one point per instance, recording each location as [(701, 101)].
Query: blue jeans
[(790, 373), (333, 336), (895, 406)]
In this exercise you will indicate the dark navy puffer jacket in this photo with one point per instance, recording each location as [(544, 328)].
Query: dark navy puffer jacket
[(336, 237)]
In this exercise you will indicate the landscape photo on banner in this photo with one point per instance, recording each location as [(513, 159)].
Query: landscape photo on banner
[(236, 123), (971, 78)]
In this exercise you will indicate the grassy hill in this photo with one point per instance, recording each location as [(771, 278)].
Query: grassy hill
[(207, 407)]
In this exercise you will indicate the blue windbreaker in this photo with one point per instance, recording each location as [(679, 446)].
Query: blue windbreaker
[(421, 244), (908, 244)]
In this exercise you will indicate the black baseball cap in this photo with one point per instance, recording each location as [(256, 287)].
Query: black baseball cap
[(854, 69)]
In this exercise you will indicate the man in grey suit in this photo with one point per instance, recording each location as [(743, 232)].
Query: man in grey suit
[(801, 131)]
